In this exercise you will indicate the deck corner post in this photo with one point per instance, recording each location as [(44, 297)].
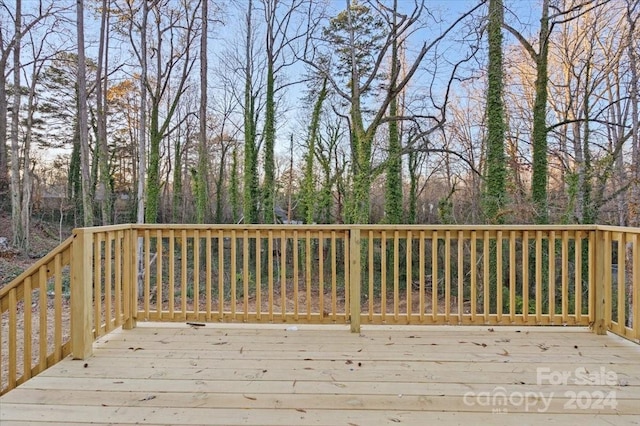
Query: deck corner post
[(82, 294), (130, 287), (598, 284), (355, 282)]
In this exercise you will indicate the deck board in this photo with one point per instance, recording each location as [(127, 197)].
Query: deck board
[(232, 374)]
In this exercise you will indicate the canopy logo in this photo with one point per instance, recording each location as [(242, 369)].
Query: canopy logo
[(501, 400)]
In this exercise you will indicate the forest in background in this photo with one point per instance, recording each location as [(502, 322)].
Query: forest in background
[(314, 111)]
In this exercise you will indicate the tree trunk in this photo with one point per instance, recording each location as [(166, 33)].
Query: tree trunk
[(87, 202), (634, 82), (142, 137), (16, 223), (250, 200), (101, 116), (393, 188), (496, 173), (202, 196), (539, 134)]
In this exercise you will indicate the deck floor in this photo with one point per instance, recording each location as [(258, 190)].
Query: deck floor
[(223, 374)]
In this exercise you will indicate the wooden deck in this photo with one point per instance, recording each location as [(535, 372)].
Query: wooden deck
[(227, 374)]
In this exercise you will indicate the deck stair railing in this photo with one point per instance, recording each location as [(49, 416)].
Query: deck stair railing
[(103, 278)]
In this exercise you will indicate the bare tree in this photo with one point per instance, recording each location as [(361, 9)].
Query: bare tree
[(83, 125)]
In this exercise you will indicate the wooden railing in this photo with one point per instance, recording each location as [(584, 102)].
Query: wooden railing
[(371, 274), (34, 318)]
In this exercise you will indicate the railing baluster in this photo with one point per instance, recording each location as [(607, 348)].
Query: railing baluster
[(270, 271), (159, 283), (512, 276), (26, 332), (233, 273), (221, 274), (383, 276), (409, 273), (172, 273), (421, 266), (57, 306), (107, 283), (196, 274), (565, 277), (635, 279), (308, 271), (208, 273), (321, 275), (552, 277), (396, 275), (474, 275), (608, 284), (347, 270), (498, 284), (13, 339), (334, 280), (184, 254), (578, 277), (622, 283), (296, 297), (283, 274), (538, 277), (118, 279), (447, 276), (525, 276), (147, 273), (245, 274), (44, 329), (434, 276), (355, 282), (486, 254), (258, 283), (97, 283), (371, 277), (460, 241)]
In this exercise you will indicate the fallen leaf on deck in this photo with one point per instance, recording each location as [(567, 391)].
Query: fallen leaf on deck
[(196, 324), (148, 398), (349, 362), (491, 330), (250, 397), (395, 420), (505, 353), (302, 410), (136, 349), (484, 345)]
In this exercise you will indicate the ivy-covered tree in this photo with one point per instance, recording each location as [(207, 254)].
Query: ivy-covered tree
[(393, 184), (309, 199), (495, 173)]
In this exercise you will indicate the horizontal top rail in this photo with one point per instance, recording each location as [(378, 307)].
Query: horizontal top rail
[(344, 227)]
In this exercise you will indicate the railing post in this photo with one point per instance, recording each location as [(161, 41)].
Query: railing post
[(598, 284), (355, 283), (129, 274), (82, 294)]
